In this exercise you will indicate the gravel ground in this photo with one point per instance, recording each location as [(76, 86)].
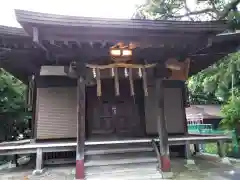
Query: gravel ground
[(203, 170)]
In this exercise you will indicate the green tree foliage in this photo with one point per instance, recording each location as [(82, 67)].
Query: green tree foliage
[(13, 114), (12, 93), (188, 9), (231, 112), (214, 84)]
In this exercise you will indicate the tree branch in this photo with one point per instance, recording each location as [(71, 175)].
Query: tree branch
[(207, 10), (214, 7), (228, 8), (187, 9), (186, 6), (212, 15), (214, 11)]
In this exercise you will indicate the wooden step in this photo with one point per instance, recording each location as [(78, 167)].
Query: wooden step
[(117, 159), (99, 149), (106, 150), (141, 175), (118, 144), (152, 166), (121, 160), (127, 171), (120, 141)]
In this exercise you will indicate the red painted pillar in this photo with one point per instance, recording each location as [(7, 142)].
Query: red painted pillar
[(79, 169), (165, 163), (162, 128), (81, 103)]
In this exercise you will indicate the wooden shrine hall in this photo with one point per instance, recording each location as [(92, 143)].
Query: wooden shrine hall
[(110, 83)]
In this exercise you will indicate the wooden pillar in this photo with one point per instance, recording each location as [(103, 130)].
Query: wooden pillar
[(196, 149), (81, 100), (221, 151), (188, 152), (189, 158), (162, 128), (15, 160), (39, 162), (34, 111)]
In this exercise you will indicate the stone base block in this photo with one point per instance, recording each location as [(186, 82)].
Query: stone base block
[(38, 171), (167, 175), (190, 162), (225, 160)]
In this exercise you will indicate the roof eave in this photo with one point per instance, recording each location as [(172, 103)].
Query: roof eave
[(29, 17)]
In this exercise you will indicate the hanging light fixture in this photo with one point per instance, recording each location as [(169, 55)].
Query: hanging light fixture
[(126, 52), (115, 52), (121, 52)]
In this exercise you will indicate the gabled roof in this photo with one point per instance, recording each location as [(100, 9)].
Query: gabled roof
[(63, 38), (73, 21)]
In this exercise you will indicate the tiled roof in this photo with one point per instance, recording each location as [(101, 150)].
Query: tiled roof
[(62, 20), (207, 111), (5, 30)]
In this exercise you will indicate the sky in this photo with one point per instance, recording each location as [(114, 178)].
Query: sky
[(87, 8)]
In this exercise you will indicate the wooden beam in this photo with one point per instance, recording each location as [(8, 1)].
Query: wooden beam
[(35, 35), (99, 85), (162, 128), (130, 76), (116, 82), (36, 40), (52, 71), (34, 111), (120, 65), (81, 109), (145, 88), (180, 70)]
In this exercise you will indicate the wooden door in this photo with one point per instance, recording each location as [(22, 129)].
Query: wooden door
[(127, 120), (112, 116), (102, 122)]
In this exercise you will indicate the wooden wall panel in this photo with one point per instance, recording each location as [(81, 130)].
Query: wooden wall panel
[(174, 111), (57, 113)]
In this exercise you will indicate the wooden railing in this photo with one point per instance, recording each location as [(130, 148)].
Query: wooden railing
[(155, 147), (71, 146), (20, 142)]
